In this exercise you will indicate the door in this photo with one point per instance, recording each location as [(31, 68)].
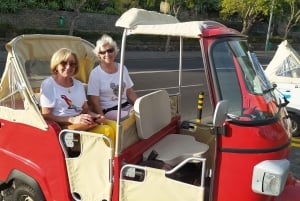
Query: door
[(89, 164)]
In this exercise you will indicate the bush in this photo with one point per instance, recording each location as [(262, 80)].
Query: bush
[(110, 11), (10, 6), (53, 5)]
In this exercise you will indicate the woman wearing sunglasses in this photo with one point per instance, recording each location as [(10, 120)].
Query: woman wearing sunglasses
[(63, 98), (103, 85)]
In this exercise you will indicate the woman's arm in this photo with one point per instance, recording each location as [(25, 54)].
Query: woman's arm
[(131, 95), (95, 105), (79, 119)]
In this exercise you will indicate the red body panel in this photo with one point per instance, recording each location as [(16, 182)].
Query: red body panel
[(243, 146), (239, 152), (38, 155)]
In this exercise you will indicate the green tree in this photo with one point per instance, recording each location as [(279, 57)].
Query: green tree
[(175, 5), (293, 15), (249, 11), (174, 8), (123, 5)]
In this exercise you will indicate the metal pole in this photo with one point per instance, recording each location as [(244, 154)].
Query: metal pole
[(122, 58), (200, 106), (269, 27), (180, 75)]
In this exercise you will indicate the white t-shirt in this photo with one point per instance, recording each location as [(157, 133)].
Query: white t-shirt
[(65, 101), (106, 86)]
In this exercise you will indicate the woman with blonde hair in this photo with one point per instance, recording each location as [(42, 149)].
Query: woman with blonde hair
[(63, 98)]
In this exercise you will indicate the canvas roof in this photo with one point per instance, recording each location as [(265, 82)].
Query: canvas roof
[(139, 21)]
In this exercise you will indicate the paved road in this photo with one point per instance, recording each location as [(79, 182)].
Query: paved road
[(295, 161), (139, 60)]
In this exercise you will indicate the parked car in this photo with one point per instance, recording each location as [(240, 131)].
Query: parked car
[(242, 154), (284, 72)]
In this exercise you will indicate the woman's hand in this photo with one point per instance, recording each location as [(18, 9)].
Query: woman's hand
[(99, 119), (86, 119)]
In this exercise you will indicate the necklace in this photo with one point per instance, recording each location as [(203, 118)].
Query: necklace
[(68, 86)]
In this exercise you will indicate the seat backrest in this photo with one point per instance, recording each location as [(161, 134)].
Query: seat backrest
[(152, 112)]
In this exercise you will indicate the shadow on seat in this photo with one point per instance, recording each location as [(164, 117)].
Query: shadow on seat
[(153, 113)]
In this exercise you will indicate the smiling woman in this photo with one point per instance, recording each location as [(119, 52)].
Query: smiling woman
[(63, 98), (103, 85)]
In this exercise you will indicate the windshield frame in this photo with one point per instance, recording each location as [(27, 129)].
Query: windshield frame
[(265, 105)]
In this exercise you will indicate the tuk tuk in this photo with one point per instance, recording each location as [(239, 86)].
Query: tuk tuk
[(153, 154)]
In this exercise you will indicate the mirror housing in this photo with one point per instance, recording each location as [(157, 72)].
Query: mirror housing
[(220, 116)]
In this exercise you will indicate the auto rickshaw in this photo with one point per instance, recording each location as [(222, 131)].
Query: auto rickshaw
[(154, 154)]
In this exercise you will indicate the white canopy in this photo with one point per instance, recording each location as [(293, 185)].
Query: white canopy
[(139, 21), (285, 65)]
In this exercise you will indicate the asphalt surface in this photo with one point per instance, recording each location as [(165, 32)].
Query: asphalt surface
[(295, 161)]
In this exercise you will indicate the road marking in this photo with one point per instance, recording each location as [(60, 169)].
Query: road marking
[(295, 139), (295, 142)]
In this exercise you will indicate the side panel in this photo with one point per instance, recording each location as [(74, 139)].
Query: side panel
[(239, 151), (36, 153)]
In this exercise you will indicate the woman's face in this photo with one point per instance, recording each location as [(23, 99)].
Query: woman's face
[(107, 53), (67, 68)]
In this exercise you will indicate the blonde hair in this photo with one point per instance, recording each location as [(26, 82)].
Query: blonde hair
[(105, 40), (61, 55)]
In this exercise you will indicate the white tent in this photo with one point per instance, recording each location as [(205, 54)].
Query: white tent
[(285, 65), (284, 71)]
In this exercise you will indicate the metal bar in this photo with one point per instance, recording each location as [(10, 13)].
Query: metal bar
[(122, 56)]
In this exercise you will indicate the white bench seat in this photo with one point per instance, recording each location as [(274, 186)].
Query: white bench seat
[(153, 112), (174, 148)]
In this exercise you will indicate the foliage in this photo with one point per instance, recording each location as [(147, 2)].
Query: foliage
[(69, 5), (248, 11), (53, 5), (108, 6), (210, 5), (10, 6), (293, 15)]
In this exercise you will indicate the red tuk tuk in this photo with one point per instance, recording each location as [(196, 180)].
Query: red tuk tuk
[(152, 154)]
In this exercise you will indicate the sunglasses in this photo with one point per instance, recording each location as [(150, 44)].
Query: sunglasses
[(71, 64), (110, 50)]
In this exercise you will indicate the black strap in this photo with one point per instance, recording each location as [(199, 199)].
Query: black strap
[(115, 107)]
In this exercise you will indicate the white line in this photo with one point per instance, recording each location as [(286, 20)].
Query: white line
[(164, 71), (185, 86)]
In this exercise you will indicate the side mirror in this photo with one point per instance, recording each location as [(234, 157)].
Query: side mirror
[(220, 116)]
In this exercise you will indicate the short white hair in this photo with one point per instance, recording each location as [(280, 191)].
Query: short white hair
[(105, 40)]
